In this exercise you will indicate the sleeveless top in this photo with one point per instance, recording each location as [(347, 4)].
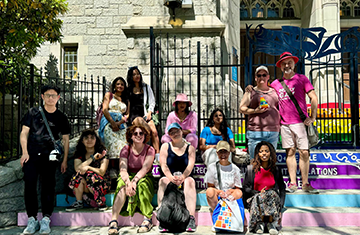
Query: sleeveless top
[(136, 106), (175, 162), (269, 120)]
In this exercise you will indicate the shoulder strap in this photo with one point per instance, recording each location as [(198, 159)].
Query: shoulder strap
[(219, 174), (301, 113), (129, 151), (47, 124)]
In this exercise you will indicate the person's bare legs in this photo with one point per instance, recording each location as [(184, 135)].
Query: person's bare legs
[(211, 197), (291, 163), (118, 204), (190, 195), (80, 190), (154, 136), (304, 165), (163, 182)]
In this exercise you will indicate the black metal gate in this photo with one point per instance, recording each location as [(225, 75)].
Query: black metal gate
[(206, 75)]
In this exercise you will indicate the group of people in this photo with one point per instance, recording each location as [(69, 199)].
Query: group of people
[(126, 128)]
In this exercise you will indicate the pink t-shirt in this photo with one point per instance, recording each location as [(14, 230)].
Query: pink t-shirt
[(299, 85), (189, 123), (135, 162)]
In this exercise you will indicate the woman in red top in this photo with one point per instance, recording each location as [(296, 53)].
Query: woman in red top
[(264, 190)]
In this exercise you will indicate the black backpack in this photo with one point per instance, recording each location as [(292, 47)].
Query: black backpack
[(173, 214)]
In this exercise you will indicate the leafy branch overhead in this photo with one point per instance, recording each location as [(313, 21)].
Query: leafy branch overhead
[(25, 25)]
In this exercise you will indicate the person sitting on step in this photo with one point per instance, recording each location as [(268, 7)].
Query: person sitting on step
[(178, 156), (216, 129), (135, 188), (185, 117), (264, 190), (91, 182)]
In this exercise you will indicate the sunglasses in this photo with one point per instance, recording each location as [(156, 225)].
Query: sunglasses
[(133, 67), (259, 75), (220, 115), (138, 133)]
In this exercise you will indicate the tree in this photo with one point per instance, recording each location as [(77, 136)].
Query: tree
[(24, 26)]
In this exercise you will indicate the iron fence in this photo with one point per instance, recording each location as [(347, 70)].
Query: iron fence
[(79, 99), (205, 74)]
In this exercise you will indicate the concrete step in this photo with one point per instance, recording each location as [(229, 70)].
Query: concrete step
[(201, 230), (326, 198), (292, 217)]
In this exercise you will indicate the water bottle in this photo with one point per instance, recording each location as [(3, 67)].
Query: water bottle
[(177, 174)]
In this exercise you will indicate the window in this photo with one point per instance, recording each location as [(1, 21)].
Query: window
[(70, 67), (350, 8), (253, 9)]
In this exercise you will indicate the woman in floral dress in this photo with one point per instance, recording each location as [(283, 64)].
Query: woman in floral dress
[(91, 181), (112, 128)]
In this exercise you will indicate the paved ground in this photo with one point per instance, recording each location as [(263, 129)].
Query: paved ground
[(200, 230)]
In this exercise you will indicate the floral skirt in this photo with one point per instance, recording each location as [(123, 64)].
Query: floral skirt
[(114, 141), (96, 183), (264, 204)]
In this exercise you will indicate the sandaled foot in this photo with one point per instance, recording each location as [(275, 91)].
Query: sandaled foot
[(145, 227), (113, 228)]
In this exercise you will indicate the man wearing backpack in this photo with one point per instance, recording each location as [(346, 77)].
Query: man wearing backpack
[(38, 158), (293, 128)]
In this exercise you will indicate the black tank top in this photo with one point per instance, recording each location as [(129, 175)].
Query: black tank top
[(176, 162), (136, 106)]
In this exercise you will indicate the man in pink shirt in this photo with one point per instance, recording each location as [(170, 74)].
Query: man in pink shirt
[(293, 130)]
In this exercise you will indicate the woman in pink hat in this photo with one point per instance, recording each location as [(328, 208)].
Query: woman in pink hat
[(186, 118)]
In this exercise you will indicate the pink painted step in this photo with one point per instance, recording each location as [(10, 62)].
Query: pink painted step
[(293, 217)]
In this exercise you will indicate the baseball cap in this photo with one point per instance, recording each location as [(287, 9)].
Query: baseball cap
[(262, 67), (174, 125), (223, 145)]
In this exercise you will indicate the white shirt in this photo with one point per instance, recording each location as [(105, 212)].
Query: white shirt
[(230, 176)]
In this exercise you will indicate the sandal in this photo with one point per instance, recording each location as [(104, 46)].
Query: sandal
[(146, 226), (113, 228)]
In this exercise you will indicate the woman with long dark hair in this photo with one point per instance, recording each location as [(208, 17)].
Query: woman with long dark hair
[(91, 181), (142, 104), (216, 129), (113, 123), (264, 190)]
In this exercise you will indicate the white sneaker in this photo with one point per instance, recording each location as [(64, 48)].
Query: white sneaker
[(272, 229), (45, 226), (32, 226), (259, 227)]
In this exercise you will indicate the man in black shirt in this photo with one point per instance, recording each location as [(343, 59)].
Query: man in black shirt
[(36, 145)]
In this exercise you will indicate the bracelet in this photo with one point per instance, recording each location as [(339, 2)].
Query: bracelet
[(92, 156)]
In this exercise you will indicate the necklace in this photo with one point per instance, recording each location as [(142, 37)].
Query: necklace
[(182, 117)]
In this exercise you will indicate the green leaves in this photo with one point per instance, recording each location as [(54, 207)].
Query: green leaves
[(25, 25)]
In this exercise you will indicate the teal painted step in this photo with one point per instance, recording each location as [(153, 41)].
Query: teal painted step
[(326, 198)]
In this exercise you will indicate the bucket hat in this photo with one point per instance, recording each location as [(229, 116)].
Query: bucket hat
[(182, 98)]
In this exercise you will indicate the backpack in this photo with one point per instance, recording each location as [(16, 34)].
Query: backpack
[(173, 214), (99, 111)]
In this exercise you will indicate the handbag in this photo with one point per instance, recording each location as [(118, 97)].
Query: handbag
[(99, 111), (228, 215), (58, 146), (312, 132), (241, 157)]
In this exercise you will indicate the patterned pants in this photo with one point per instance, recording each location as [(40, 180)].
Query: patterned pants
[(264, 204)]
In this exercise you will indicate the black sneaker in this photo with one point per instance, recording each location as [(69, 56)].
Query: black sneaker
[(163, 230), (75, 206), (102, 208), (191, 226)]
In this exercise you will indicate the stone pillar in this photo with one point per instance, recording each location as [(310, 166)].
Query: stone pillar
[(326, 14)]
